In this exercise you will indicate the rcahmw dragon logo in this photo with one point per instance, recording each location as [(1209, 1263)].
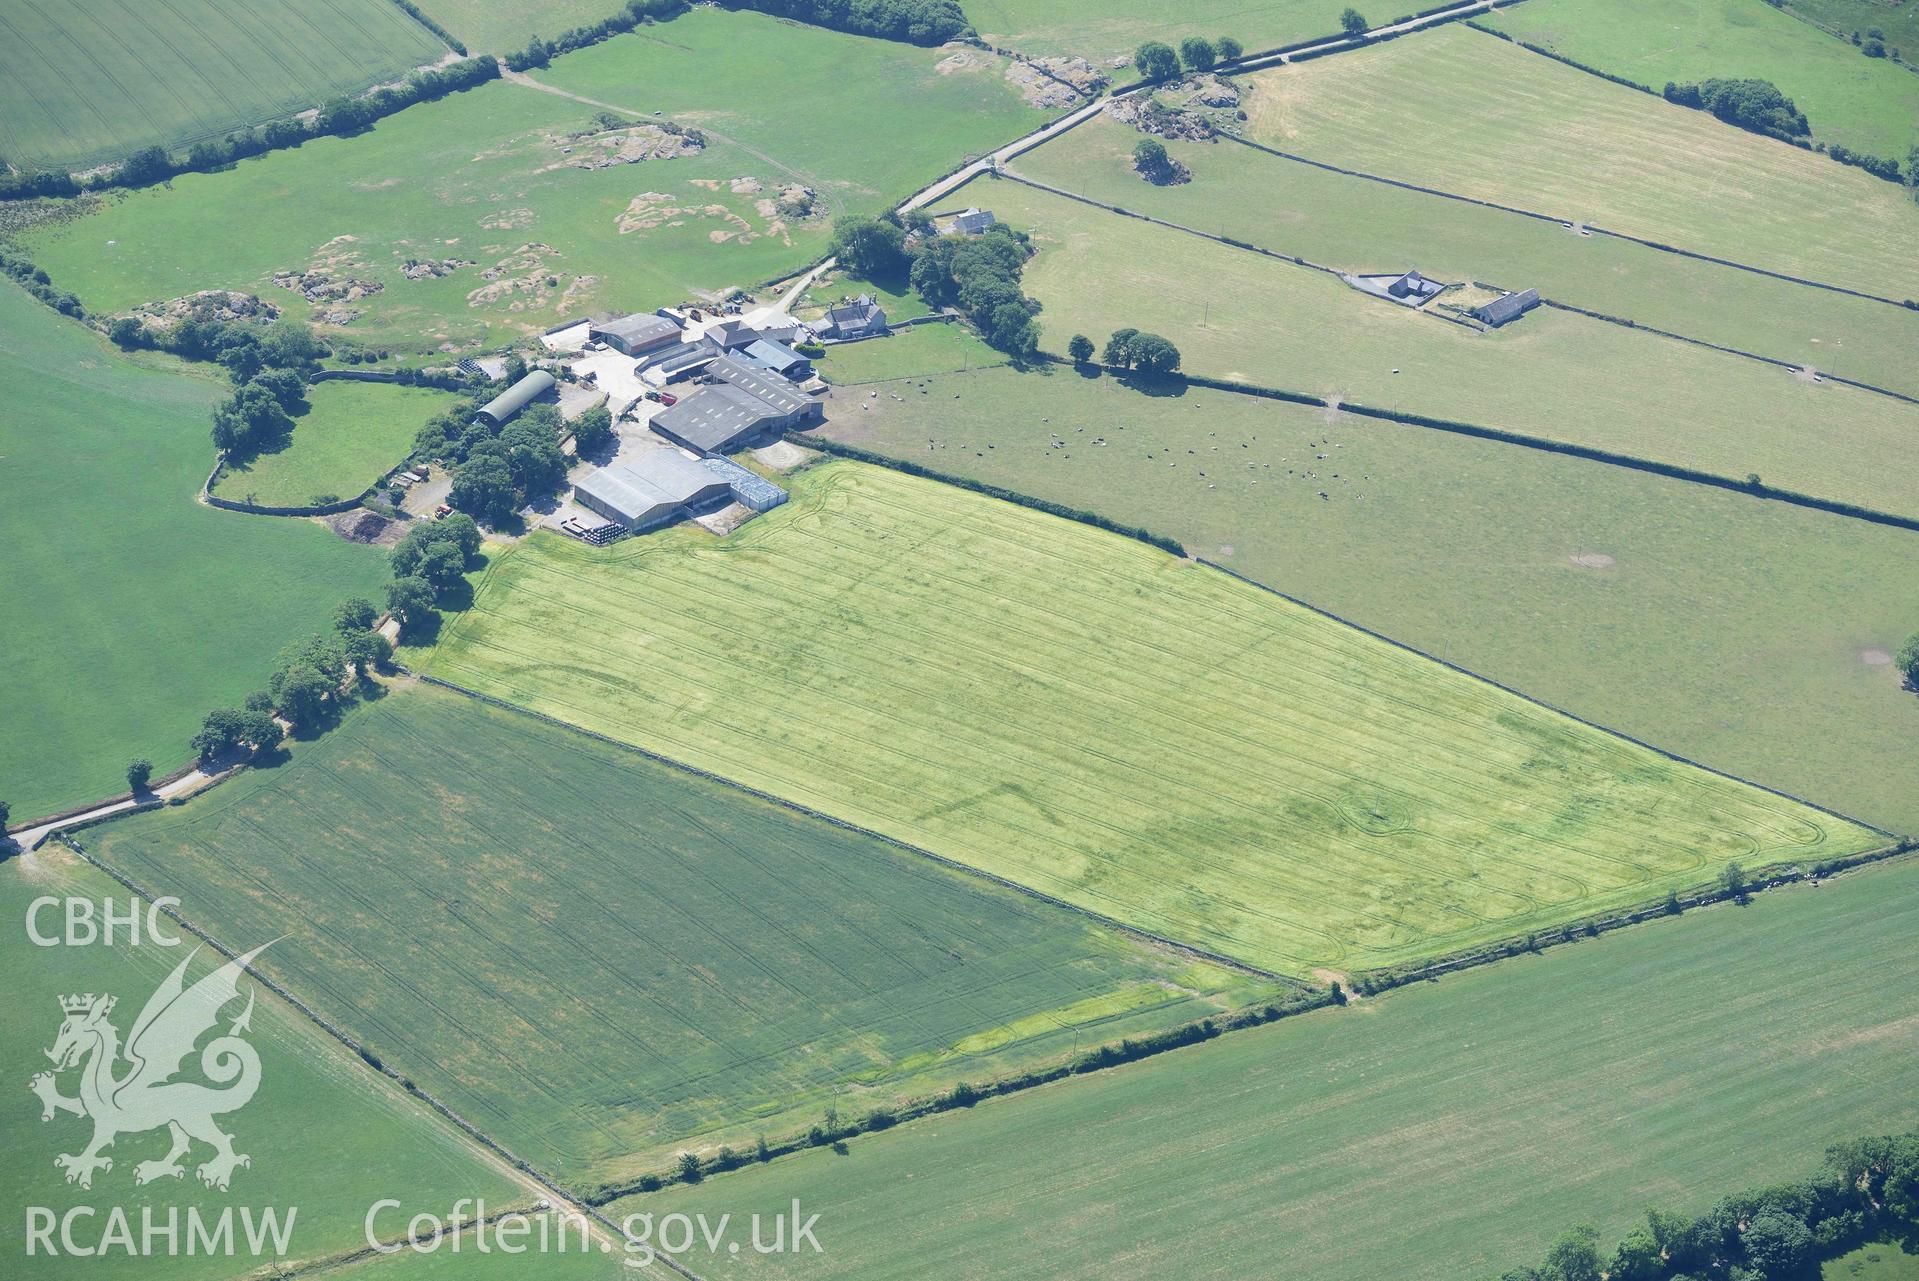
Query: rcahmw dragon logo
[(145, 1095)]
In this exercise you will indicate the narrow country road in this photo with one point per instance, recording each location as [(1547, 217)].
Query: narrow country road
[(1019, 146), (193, 780)]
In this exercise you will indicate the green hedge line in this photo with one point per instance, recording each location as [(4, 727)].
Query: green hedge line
[(1084, 517)]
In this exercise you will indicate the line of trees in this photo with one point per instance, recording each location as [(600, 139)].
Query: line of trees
[(429, 569), (343, 115), (1867, 1191), (39, 284), (1156, 60), (308, 687), (539, 52), (921, 22)]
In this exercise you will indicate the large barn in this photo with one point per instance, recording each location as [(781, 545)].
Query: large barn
[(637, 334), (656, 488), (743, 403), (502, 407)]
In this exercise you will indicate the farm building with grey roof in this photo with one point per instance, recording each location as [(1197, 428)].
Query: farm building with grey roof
[(655, 488), (636, 334), (1506, 308), (502, 407), (743, 402)]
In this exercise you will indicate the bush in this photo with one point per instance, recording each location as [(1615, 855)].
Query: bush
[(1908, 660), (1228, 49)]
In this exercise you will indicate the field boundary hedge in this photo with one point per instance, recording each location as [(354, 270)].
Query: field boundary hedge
[(1671, 471), (1596, 230), (1627, 323), (840, 449), (150, 166)]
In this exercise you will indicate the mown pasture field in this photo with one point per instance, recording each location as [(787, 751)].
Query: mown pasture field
[(597, 959), (1106, 723), (1441, 1131), (1553, 374), (492, 188), (1867, 104), (1466, 112), (326, 1135), (88, 82), (488, 27), (351, 434), (1355, 225), (779, 89), (1566, 579), (133, 610), (1101, 33), (918, 352)]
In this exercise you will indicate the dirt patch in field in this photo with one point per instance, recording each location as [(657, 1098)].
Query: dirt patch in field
[(366, 527), (1876, 657), (631, 145), (1040, 90), (522, 275), (332, 275), (509, 220), (652, 209), (433, 268), (1592, 560), (958, 61)]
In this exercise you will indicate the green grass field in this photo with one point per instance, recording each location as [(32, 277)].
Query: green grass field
[(1355, 225), (486, 26), (1553, 374), (778, 89), (1113, 29), (349, 437), (90, 81), (667, 963), (910, 353), (132, 609), (1771, 628), (557, 1261), (490, 179), (1466, 112), (327, 1137), (1868, 104), (1881, 1262), (1440, 1131), (1106, 723)]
